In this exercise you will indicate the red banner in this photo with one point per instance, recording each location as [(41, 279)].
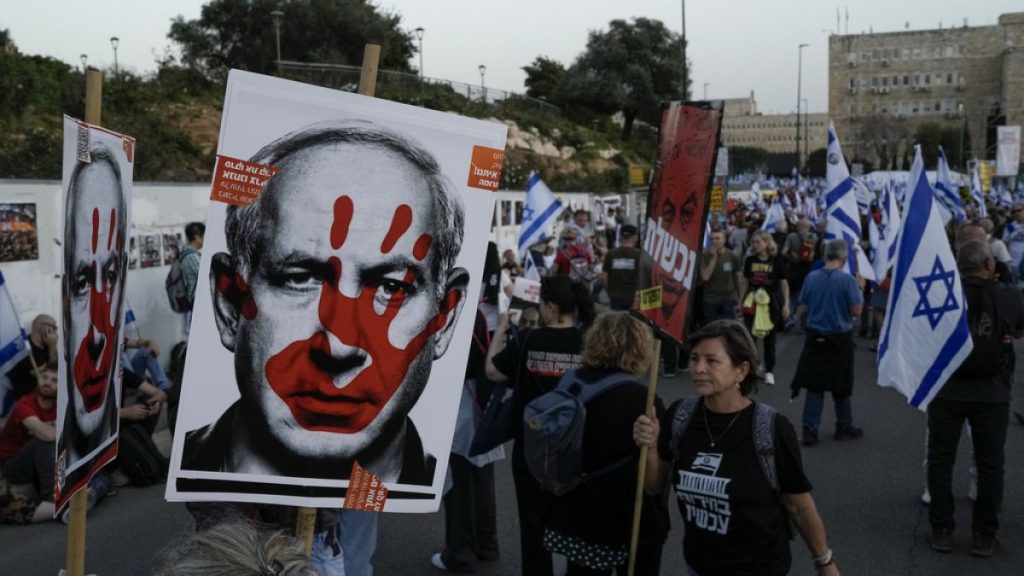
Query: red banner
[(676, 211)]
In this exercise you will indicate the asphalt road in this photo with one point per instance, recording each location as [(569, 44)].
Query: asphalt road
[(867, 492)]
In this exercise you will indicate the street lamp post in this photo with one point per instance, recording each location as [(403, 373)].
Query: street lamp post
[(799, 75), (483, 87), (277, 15), (114, 41), (683, 38), (419, 37), (807, 136), (85, 60)]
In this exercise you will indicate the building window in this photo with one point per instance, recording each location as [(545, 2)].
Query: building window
[(949, 78), (906, 80), (927, 78), (885, 80), (917, 53)]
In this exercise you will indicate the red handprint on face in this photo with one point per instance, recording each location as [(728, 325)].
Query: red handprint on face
[(95, 356), (303, 373)]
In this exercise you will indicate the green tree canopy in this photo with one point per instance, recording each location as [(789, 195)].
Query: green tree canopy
[(240, 34), (542, 77), (931, 135), (632, 67)]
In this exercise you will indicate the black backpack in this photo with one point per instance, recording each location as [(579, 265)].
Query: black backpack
[(138, 457), (986, 360), (177, 291)]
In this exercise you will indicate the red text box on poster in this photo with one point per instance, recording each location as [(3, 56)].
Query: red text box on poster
[(365, 491), (239, 182)]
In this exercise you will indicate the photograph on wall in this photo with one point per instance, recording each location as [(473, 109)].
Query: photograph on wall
[(150, 251), (344, 241), (172, 247), (133, 253), (97, 201), (19, 237)]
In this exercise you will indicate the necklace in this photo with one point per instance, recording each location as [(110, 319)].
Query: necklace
[(708, 428)]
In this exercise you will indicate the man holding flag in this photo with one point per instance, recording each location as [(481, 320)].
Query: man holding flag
[(540, 212), (14, 354), (926, 338)]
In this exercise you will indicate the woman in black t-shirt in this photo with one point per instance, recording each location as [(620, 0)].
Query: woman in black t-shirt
[(595, 538), (737, 520), (764, 268), (535, 361)]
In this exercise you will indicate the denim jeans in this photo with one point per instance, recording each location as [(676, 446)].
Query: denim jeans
[(143, 362), (988, 430), (356, 531), (814, 402), (724, 310)]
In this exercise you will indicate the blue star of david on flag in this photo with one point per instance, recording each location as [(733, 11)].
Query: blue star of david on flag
[(924, 285), (539, 213)]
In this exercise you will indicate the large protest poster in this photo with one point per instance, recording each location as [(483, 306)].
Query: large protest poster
[(677, 209), (97, 187), (344, 243)]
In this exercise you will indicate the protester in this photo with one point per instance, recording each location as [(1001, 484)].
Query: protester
[(799, 253), (238, 548), (26, 441), (43, 348), (535, 362), (145, 362), (189, 259), (626, 268), (765, 270), (574, 259), (978, 393), (707, 449), (831, 300), (720, 277), (1013, 235), (595, 538)]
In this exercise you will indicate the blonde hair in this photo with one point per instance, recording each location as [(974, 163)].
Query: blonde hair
[(617, 341), (773, 248), (236, 548)]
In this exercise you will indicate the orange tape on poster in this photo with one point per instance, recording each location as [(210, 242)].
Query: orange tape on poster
[(239, 182), (485, 168), (365, 491)]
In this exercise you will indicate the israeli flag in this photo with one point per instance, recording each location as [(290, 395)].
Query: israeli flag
[(841, 210), (530, 268), (977, 195), (13, 339), (707, 233), (925, 336), (946, 193), (542, 209), (888, 232), (775, 215)]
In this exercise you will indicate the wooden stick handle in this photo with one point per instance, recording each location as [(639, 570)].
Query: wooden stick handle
[(304, 527), (641, 468), (93, 96), (368, 75)]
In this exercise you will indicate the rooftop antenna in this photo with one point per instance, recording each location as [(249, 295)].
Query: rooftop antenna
[(907, 25), (847, 9), (837, 20)]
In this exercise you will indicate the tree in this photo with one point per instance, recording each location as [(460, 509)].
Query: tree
[(632, 67), (542, 77), (816, 163), (240, 34), (746, 159), (882, 138), (931, 135)]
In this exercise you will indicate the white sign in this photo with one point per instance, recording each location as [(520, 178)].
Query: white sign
[(1008, 150), (335, 305)]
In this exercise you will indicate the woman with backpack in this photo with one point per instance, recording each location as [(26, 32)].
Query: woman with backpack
[(765, 270), (734, 465), (590, 524), (534, 361)]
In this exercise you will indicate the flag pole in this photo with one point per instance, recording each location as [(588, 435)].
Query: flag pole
[(74, 562), (306, 519), (641, 469)]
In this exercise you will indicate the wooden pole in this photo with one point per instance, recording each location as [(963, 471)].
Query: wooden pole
[(306, 520), (74, 562), (641, 471)]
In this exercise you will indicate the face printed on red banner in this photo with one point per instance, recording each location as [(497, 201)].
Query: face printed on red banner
[(346, 303), (96, 288)]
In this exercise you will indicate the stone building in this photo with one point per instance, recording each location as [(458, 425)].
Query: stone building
[(743, 125), (883, 86)]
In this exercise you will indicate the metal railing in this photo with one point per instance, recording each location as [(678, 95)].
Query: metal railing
[(406, 87)]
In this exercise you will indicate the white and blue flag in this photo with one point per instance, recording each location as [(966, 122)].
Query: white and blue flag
[(885, 234), (841, 210), (925, 336), (977, 194), (13, 339), (540, 212), (530, 271), (950, 206), (775, 215)]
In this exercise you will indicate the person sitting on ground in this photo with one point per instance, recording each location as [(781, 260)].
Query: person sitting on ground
[(146, 361), (26, 441), (43, 347), (738, 506), (239, 548), (595, 539)]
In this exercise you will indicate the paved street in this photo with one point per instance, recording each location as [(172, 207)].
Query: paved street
[(867, 492)]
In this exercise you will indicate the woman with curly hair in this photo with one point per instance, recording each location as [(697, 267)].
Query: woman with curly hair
[(590, 524)]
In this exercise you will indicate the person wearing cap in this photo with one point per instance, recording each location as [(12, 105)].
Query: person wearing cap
[(626, 268)]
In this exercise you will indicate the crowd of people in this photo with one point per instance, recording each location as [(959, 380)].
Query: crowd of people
[(732, 464)]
